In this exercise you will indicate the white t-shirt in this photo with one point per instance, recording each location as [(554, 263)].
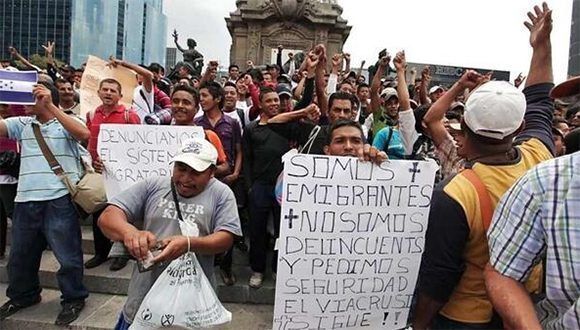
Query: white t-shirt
[(243, 122), (143, 102)]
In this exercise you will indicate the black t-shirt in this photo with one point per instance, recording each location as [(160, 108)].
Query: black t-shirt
[(263, 151), (300, 131)]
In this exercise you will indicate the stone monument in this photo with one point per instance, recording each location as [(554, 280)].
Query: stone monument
[(257, 27)]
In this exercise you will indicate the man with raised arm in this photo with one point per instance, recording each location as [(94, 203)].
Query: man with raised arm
[(505, 133)]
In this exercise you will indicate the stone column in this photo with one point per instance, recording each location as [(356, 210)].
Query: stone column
[(574, 59)]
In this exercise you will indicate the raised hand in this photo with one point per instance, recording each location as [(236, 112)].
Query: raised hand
[(336, 60), (311, 61), (113, 62), (250, 64), (426, 74), (312, 112), (384, 61), (400, 61), (42, 95), (519, 80), (49, 48), (13, 51), (471, 79), (346, 57), (320, 51), (540, 25), (174, 34)]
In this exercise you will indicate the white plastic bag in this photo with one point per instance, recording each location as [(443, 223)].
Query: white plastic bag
[(182, 296)]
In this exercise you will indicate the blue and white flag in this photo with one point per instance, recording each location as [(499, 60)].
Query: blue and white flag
[(16, 86)]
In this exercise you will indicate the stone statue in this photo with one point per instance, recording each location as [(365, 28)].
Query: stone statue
[(190, 55)]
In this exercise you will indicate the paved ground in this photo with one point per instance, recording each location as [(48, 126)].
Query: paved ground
[(102, 311)]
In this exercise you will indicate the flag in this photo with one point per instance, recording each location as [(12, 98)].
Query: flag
[(16, 86)]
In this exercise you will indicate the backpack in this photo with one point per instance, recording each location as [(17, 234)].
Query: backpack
[(242, 117), (92, 115)]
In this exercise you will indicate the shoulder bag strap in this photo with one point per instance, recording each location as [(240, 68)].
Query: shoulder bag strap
[(142, 93), (126, 115), (242, 117), (48, 155), (482, 195), (177, 208), (389, 138), (308, 145)]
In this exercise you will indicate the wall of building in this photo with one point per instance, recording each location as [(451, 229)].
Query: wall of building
[(28, 24), (94, 30)]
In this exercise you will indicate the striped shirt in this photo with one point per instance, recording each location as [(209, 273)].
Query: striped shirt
[(541, 214), (37, 182)]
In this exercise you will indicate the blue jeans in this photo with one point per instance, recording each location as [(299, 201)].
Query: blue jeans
[(122, 324), (36, 224)]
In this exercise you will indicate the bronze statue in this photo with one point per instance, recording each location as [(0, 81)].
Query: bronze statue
[(190, 55)]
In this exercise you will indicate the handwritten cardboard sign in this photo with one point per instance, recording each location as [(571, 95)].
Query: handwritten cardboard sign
[(97, 70), (132, 153), (351, 238)]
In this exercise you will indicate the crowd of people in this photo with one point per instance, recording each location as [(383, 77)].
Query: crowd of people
[(480, 269)]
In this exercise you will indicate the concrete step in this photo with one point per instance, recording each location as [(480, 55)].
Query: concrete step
[(87, 238), (102, 280), (102, 311)]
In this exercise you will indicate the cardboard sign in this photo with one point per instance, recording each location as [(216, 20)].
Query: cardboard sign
[(132, 153), (97, 70), (351, 238)]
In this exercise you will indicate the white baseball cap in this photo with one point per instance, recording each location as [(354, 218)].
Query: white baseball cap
[(389, 92), (435, 88), (495, 110), (197, 153)]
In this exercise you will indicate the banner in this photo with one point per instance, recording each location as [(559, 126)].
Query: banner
[(351, 238), (97, 70), (132, 153), (16, 87)]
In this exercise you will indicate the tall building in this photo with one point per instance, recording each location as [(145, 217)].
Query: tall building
[(28, 24), (131, 29), (172, 57), (574, 59)]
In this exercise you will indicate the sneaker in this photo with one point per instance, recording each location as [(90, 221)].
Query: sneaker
[(119, 263), (11, 307), (95, 262), (70, 312), (256, 280), (228, 277)]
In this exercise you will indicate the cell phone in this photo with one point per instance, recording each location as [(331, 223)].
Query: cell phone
[(148, 264)]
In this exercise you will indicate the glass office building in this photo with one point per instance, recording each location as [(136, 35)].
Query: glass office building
[(135, 30), (28, 24)]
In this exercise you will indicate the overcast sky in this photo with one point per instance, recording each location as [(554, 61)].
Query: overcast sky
[(482, 33)]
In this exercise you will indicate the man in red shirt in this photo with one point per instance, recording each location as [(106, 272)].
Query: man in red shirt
[(110, 112)]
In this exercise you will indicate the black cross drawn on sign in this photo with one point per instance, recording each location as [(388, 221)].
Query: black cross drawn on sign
[(414, 171), (291, 216)]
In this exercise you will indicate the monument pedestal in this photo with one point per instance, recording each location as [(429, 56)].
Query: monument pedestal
[(259, 26)]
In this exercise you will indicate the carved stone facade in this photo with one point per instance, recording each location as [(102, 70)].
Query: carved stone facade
[(258, 26)]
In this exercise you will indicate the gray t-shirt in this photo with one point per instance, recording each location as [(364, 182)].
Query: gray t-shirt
[(149, 206)]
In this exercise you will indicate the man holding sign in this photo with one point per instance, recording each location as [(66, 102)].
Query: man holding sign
[(351, 235), (109, 112)]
